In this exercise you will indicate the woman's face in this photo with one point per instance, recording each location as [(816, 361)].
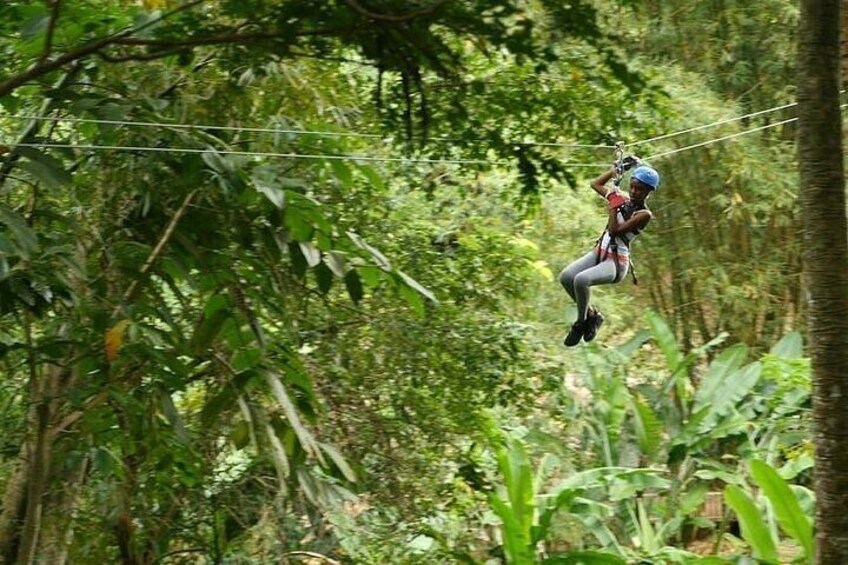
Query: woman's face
[(638, 190)]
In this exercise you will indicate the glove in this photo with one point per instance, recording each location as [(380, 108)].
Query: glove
[(615, 198), (629, 162)]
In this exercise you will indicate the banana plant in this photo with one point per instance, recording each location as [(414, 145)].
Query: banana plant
[(695, 422), (590, 497), (784, 504), (527, 514)]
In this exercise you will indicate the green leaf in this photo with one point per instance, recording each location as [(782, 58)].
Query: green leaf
[(305, 210), (373, 177), (106, 463), (323, 241), (412, 283), (647, 426), (336, 262), (624, 485), (311, 253), (585, 558), (371, 276), (786, 507), (26, 240), (343, 172), (324, 277), (520, 485), (240, 435), (562, 500), (44, 167), (210, 325), (338, 460), (632, 345), (353, 285), (299, 265), (647, 533), (304, 436), (722, 375), (247, 358), (215, 303), (278, 454), (35, 27), (796, 464), (169, 409), (516, 541), (216, 405), (754, 529), (736, 386), (264, 179), (379, 258), (413, 299), (276, 195), (665, 339), (296, 374), (216, 161), (300, 228), (790, 346)]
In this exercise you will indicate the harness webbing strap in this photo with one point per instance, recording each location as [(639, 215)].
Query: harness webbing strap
[(627, 211)]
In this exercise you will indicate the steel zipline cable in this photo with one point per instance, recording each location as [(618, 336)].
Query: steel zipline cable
[(368, 158), (714, 124), (725, 137), (281, 131), (308, 156), (327, 133), (352, 157), (717, 139)]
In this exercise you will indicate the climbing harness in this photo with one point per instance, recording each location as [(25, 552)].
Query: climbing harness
[(626, 210), (611, 250)]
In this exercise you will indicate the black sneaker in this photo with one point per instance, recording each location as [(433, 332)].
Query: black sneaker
[(574, 334), (593, 324)]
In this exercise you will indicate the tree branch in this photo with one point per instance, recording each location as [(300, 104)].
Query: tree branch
[(139, 56), (394, 18), (169, 47), (11, 155), (47, 66), (160, 246), (226, 38), (51, 29), (70, 419)]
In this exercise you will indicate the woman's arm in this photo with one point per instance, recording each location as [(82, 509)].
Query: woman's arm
[(599, 184), (636, 222)]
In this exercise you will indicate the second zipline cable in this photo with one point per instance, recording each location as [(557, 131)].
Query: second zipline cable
[(309, 156)]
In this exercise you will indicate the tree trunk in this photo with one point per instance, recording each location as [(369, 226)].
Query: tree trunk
[(24, 497), (59, 524), (14, 508), (44, 392), (825, 231), (844, 45)]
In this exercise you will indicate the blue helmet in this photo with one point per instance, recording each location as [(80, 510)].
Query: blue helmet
[(647, 176)]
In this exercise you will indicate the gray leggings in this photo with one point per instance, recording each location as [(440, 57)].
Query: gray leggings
[(584, 273)]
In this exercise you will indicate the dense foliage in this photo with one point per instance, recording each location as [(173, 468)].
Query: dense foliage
[(277, 283)]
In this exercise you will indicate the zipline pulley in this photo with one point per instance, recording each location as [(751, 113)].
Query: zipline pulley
[(618, 163)]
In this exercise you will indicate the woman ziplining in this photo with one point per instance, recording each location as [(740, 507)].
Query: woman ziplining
[(609, 261)]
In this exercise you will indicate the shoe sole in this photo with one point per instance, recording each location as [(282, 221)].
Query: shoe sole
[(598, 321)]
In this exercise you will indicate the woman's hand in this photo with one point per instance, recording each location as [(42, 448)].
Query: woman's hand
[(637, 221), (616, 199)]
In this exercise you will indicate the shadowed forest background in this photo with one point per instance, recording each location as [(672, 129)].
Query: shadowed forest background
[(278, 284)]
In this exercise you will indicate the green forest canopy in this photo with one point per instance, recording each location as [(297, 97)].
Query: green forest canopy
[(219, 345)]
